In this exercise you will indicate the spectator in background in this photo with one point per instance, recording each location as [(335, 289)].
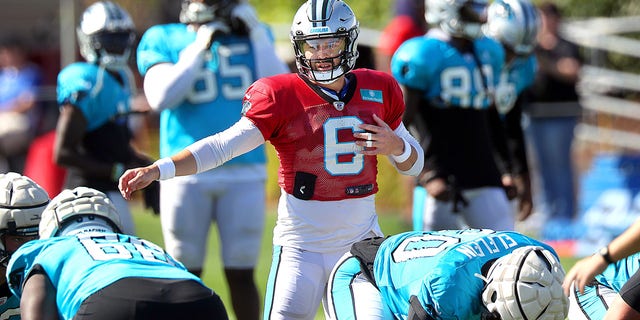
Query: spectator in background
[(83, 267), (449, 78), (21, 204), (19, 81), (93, 139), (553, 113), (515, 24), (408, 22), (195, 74)]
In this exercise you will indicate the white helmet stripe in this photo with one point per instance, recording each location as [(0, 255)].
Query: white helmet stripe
[(320, 12)]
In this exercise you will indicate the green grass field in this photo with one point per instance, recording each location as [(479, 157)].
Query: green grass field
[(148, 227)]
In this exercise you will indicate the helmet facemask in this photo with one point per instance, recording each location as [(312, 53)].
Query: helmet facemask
[(109, 49), (474, 15), (327, 22), (459, 18), (324, 59), (106, 35)]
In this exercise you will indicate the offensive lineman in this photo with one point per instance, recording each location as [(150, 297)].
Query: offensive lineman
[(449, 274), (83, 268), (21, 204)]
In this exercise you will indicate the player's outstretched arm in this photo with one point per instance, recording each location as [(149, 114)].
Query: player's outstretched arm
[(181, 164), (38, 300)]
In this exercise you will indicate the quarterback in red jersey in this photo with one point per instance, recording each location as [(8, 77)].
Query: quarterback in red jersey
[(328, 123), (310, 127)]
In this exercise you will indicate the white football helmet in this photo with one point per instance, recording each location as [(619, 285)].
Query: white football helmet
[(526, 284), (106, 35), (514, 23), (79, 210), (325, 19), (21, 204), (202, 12), (459, 18)]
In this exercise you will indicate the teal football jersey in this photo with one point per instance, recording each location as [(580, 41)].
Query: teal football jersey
[(96, 92), (215, 101), (441, 269), (81, 265), (446, 76)]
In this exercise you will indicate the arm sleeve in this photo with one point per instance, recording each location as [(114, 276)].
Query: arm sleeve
[(166, 84), (217, 149), (415, 170)]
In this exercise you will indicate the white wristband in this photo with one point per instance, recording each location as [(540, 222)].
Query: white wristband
[(166, 167), (405, 154)]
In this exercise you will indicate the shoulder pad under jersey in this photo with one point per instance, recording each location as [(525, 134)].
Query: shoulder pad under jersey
[(417, 61)]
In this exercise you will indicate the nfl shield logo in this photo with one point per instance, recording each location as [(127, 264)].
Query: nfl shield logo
[(339, 105)]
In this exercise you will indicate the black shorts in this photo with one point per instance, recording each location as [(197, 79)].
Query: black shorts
[(630, 291), (151, 298)]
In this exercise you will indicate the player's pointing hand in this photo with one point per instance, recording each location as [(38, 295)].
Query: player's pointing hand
[(136, 179)]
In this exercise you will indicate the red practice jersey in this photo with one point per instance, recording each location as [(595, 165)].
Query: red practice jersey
[(313, 133)]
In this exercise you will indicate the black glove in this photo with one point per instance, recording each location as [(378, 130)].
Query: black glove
[(152, 197)]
